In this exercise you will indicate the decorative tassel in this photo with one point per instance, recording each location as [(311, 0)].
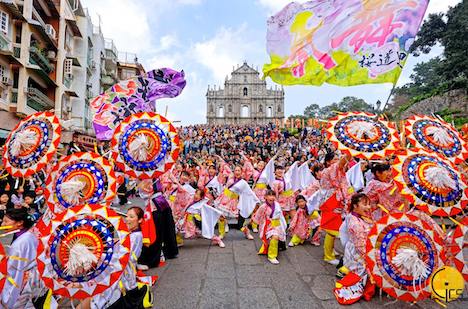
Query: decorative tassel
[(80, 259), (22, 141), (409, 263), (440, 135), (362, 129), (139, 148), (71, 191), (440, 177)]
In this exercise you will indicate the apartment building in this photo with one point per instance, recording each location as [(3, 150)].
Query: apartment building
[(52, 57)]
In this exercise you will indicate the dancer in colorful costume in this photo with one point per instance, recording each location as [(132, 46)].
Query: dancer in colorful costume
[(270, 219), (208, 216)]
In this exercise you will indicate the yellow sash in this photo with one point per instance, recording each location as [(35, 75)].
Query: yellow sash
[(172, 198), (230, 194), (260, 186), (275, 222), (287, 193)]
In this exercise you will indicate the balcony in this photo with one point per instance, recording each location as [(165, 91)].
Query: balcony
[(14, 95), (38, 100), (37, 58), (67, 81), (5, 43), (107, 80)]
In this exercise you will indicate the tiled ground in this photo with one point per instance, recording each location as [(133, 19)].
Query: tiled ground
[(205, 276)]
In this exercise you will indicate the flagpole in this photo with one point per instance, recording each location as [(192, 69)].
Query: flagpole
[(389, 96)]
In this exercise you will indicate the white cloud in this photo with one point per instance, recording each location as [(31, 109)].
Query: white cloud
[(124, 21), (274, 6), (228, 47), (435, 6)]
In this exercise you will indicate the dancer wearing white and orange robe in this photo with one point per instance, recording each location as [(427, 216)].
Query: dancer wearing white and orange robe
[(337, 194)]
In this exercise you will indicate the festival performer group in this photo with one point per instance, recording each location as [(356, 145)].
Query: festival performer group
[(75, 246), (395, 197)]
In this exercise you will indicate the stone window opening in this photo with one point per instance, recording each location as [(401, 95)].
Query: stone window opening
[(245, 91)]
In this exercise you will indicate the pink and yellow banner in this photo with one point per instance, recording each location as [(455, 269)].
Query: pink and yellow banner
[(342, 42)]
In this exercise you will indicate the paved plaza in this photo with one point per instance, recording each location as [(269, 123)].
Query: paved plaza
[(206, 276)]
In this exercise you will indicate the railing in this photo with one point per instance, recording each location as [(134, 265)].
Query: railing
[(38, 17), (5, 43), (38, 101), (14, 95), (39, 59)]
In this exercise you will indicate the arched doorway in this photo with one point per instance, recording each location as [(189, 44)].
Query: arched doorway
[(245, 112), (221, 112)]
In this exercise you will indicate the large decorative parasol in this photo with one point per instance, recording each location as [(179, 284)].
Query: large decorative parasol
[(430, 182), (81, 178), (145, 145), (459, 249), (137, 94), (83, 251), (436, 135), (3, 266), (32, 144), (363, 135), (403, 251)]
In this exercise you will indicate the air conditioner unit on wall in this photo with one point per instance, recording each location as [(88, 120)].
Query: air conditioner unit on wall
[(50, 30)]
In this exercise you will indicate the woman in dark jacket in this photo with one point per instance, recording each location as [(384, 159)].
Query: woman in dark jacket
[(165, 231)]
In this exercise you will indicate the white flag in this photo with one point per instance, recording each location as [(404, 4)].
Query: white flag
[(355, 177)]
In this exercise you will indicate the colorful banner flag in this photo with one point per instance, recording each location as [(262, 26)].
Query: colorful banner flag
[(342, 42)]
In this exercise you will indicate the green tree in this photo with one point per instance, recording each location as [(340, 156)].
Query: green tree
[(312, 110), (450, 70), (351, 104)]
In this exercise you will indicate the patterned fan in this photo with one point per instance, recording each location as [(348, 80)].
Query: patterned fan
[(403, 251), (83, 251), (145, 145), (435, 135), (363, 135), (81, 178), (459, 249), (430, 182), (32, 144)]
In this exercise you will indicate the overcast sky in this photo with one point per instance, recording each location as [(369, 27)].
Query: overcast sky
[(206, 38)]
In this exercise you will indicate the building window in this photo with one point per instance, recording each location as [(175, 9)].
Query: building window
[(211, 109), (229, 108), (4, 22), (245, 91), (67, 68), (279, 108), (245, 78), (260, 109), (269, 112), (3, 71), (245, 113), (221, 112)]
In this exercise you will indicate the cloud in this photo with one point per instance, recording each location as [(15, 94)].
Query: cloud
[(225, 49), (274, 6), (440, 6), (124, 21), (435, 6)]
